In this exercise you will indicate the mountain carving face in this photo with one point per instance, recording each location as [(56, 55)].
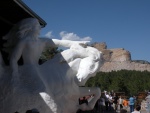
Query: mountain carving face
[(118, 59), (117, 54)]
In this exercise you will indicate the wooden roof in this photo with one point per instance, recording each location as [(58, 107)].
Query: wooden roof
[(12, 11)]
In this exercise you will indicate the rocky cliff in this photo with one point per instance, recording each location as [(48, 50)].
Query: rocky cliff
[(119, 58)]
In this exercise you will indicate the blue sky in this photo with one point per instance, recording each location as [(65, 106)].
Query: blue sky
[(119, 23)]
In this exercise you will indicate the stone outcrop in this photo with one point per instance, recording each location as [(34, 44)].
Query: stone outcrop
[(126, 65), (118, 59)]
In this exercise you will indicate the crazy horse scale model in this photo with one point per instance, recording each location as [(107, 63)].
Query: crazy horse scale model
[(52, 87)]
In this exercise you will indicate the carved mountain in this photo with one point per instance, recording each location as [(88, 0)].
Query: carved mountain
[(119, 58)]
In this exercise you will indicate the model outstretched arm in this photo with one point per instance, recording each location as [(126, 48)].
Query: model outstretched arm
[(61, 43)]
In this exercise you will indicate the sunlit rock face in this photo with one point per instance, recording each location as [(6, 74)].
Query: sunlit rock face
[(126, 65), (116, 54), (120, 55), (119, 58)]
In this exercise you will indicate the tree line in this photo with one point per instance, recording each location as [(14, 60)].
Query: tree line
[(131, 82)]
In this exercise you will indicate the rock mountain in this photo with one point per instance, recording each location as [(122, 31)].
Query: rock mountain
[(119, 58)]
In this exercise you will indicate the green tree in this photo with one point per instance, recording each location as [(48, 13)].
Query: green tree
[(130, 82)]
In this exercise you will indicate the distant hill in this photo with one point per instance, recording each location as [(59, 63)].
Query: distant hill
[(119, 58)]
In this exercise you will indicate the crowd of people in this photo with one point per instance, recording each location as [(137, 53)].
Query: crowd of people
[(111, 102)]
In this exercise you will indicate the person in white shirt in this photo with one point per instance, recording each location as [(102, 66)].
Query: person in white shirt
[(106, 100), (110, 103), (137, 109), (120, 102), (147, 106)]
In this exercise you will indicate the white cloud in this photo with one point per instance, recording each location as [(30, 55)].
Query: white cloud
[(71, 36), (68, 36), (49, 34)]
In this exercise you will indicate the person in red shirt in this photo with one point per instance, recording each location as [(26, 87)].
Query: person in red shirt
[(125, 103)]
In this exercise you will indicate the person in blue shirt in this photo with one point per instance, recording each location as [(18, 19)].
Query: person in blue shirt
[(131, 103)]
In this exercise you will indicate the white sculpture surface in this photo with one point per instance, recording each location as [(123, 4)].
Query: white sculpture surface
[(52, 87)]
